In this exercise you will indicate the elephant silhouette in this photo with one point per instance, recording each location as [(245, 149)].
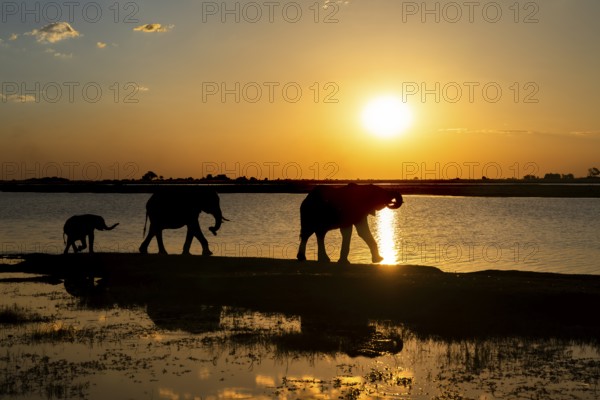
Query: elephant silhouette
[(326, 208), (78, 227), (175, 209)]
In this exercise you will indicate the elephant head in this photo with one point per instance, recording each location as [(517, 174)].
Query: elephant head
[(211, 205), (368, 199), (383, 198)]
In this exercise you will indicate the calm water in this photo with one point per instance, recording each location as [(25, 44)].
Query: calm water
[(453, 233), (101, 339), (106, 342)]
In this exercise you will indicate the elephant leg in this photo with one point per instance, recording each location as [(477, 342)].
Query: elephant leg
[(197, 232), (70, 243), (205, 250), (362, 228), (188, 242), (302, 248), (83, 244), (346, 236), (161, 245), (146, 242), (321, 252), (91, 235)]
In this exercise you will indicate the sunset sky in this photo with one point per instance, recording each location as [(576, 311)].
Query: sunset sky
[(110, 89)]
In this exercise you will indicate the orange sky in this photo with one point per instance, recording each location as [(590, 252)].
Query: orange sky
[(117, 96)]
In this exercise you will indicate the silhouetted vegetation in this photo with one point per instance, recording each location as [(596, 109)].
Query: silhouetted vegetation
[(14, 315), (552, 176), (149, 176), (564, 185)]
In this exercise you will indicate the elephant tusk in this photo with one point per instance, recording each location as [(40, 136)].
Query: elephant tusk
[(225, 219), (394, 204)]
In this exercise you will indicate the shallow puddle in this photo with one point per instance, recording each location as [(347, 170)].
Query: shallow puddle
[(87, 341)]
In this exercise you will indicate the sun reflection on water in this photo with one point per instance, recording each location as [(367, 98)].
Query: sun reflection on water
[(386, 237)]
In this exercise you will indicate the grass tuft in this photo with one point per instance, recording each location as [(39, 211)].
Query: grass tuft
[(17, 315)]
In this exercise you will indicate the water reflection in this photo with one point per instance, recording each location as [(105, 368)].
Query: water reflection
[(176, 310), (172, 340), (331, 354), (386, 236), (232, 319)]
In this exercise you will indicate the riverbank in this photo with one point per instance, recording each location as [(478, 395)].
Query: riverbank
[(579, 188), (429, 301)]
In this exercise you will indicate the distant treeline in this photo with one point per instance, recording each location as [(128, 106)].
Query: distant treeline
[(152, 178), (549, 186)]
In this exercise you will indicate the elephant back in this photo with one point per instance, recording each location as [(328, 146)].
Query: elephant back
[(180, 202)]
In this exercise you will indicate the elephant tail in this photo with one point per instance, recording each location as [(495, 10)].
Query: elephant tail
[(145, 223), (110, 228), (64, 238)]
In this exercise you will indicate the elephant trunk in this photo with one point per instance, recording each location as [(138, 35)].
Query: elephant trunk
[(218, 220), (396, 201)]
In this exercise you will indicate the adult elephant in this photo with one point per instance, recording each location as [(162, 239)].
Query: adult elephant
[(326, 208), (78, 227), (175, 209)]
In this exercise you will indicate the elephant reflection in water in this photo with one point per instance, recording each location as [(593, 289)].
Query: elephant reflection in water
[(174, 309), (79, 226), (327, 208)]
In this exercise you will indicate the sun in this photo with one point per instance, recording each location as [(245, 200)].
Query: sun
[(386, 116)]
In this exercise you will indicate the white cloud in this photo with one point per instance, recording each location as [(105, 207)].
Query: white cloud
[(153, 28), (57, 54), (17, 98), (520, 132), (54, 32), (586, 133), (100, 45), (11, 38), (488, 131), (340, 2), (453, 130)]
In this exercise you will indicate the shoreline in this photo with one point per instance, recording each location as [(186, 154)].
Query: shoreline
[(35, 263), (431, 302), (582, 188)]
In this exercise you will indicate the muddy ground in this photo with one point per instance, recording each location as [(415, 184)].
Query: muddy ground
[(431, 302)]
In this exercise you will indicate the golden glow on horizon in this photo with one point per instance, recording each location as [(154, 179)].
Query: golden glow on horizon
[(386, 116), (386, 236)]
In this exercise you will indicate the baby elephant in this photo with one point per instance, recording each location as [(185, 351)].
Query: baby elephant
[(79, 226)]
